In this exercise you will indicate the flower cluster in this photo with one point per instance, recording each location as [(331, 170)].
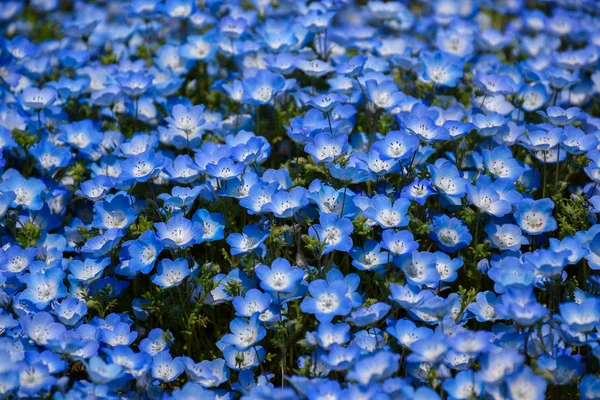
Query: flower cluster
[(289, 199)]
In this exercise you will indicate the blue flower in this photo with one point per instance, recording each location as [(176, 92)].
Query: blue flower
[(535, 216), (142, 253), (375, 367), (386, 214), (440, 69), (251, 238), (371, 258), (171, 273), (180, 232), (333, 233), (142, 167), (38, 99), (281, 277), (114, 212), (27, 191), (134, 84), (253, 301), (165, 368), (365, 316), (507, 237), (44, 287), (486, 198), (397, 145), (263, 87), (155, 342), (327, 147), (285, 204), (326, 300), (450, 234), (244, 334)]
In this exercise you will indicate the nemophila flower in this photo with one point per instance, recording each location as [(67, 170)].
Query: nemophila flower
[(559, 116), (507, 237), (95, 189), (38, 99), (447, 267), (183, 169), (179, 232), (70, 310), (365, 316), (440, 69), (535, 216), (156, 341), (577, 142), (225, 169), (87, 270), (333, 233), (353, 67), (580, 317), (424, 128), (519, 304), (189, 120), (383, 94), (398, 243), (251, 238), (397, 145), (114, 212), (232, 28), (281, 277), (526, 384), (213, 224), (15, 259), (181, 198), (244, 334), (81, 135), (285, 204), (446, 178), (492, 84), (44, 286), (253, 301), (501, 164), (119, 335), (375, 367), (483, 307), (27, 191), (134, 84), (141, 254), (103, 243), (328, 335), (388, 215), (449, 233), (533, 97), (486, 199), (326, 102), (263, 87), (51, 157), (330, 200), (326, 300), (244, 359), (369, 258), (419, 268), (165, 368), (258, 196), (41, 327), (314, 68), (548, 263), (418, 190), (327, 147), (511, 272), (142, 167)]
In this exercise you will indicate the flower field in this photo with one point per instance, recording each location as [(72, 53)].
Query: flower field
[(277, 199)]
